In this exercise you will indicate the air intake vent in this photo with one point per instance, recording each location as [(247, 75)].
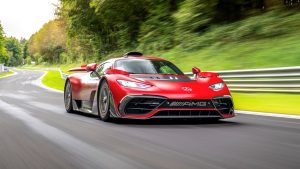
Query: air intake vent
[(134, 54), (140, 104)]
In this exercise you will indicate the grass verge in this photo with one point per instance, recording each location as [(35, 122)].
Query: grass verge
[(277, 52), (6, 74), (64, 67), (53, 80), (268, 102)]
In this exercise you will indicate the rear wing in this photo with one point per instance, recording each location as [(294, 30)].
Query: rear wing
[(78, 69), (84, 67)]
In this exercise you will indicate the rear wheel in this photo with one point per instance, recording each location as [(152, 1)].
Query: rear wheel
[(104, 102), (68, 97)]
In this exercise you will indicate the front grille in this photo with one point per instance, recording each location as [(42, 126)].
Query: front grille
[(142, 105), (187, 114), (224, 105)]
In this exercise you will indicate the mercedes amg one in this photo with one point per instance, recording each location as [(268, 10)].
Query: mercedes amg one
[(143, 87)]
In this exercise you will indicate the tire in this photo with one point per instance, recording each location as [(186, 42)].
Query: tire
[(68, 97), (103, 102)]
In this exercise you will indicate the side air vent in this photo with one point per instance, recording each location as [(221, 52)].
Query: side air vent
[(134, 54), (224, 105)]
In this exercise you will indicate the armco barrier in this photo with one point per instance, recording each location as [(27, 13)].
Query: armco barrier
[(278, 80), (275, 80)]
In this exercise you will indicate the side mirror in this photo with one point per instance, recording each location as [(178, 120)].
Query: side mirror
[(196, 70), (91, 67)]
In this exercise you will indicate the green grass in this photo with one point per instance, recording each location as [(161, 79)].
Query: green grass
[(270, 39), (6, 74), (64, 67), (53, 80), (277, 52), (268, 102)]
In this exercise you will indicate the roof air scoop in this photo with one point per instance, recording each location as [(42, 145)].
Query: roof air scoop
[(133, 54)]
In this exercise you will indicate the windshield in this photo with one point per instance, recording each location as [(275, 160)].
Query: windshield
[(144, 66)]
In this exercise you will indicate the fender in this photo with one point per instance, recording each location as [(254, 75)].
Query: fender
[(113, 110)]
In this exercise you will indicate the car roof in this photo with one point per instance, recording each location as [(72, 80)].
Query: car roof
[(141, 57), (133, 57)]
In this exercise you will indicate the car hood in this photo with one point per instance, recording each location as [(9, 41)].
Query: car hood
[(157, 77), (178, 84)]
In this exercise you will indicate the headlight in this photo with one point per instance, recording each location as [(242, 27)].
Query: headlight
[(131, 84), (217, 86)]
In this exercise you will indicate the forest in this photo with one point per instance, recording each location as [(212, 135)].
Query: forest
[(12, 51), (92, 30)]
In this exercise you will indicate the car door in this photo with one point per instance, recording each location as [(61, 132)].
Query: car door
[(90, 86)]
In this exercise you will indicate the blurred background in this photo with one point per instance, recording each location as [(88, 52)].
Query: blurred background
[(214, 35)]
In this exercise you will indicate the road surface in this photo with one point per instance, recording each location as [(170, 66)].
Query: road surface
[(37, 133)]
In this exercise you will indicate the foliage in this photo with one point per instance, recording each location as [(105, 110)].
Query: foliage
[(14, 50), (271, 42), (91, 30), (48, 43), (11, 50), (24, 46), (158, 22), (3, 52)]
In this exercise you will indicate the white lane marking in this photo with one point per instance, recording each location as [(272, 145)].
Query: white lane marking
[(39, 83), (95, 158), (268, 114)]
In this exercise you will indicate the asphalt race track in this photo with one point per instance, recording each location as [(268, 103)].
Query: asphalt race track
[(37, 133)]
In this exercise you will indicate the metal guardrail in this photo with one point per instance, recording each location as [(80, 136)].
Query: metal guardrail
[(1, 68), (273, 80)]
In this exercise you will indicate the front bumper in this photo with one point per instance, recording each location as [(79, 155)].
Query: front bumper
[(145, 107)]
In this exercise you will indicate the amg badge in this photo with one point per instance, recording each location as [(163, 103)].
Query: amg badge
[(188, 104)]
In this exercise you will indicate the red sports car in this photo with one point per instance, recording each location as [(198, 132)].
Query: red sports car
[(142, 87)]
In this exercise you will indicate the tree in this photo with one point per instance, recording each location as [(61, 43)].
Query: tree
[(14, 50), (24, 46), (3, 52), (49, 42)]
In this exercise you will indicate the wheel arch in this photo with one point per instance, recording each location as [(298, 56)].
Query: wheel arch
[(113, 110)]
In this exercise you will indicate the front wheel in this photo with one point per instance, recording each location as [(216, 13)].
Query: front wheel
[(68, 97), (103, 102)]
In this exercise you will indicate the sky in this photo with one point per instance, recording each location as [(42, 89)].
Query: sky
[(22, 18)]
